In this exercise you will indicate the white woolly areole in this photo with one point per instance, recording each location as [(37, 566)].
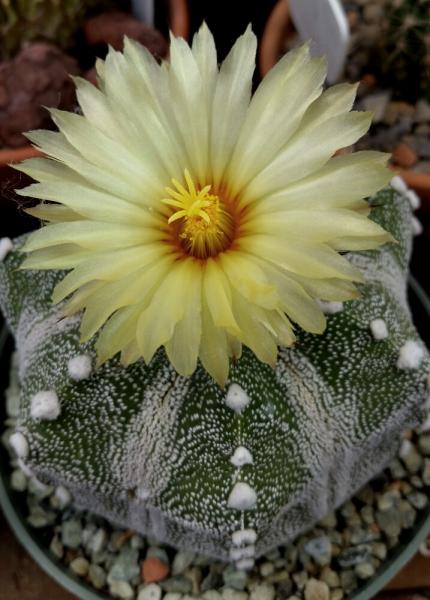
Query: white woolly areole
[(414, 199), (241, 456), (417, 227), (45, 405), (237, 399), (379, 329), (63, 496), (6, 246), (79, 367), (19, 444), (330, 308), (245, 564), (242, 497), (239, 553), (398, 184), (244, 536), (410, 355)]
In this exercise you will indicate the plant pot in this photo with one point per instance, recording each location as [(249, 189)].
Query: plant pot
[(278, 28), (13, 503), (179, 24)]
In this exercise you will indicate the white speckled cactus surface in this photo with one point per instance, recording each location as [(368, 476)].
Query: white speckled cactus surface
[(228, 472)]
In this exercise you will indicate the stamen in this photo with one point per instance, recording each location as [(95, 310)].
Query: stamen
[(205, 227)]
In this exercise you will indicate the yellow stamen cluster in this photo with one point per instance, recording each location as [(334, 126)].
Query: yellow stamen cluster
[(206, 228)]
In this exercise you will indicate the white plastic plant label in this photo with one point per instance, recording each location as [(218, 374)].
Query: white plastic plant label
[(324, 23)]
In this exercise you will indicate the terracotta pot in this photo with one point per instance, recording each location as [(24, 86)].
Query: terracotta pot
[(277, 29), (179, 23)]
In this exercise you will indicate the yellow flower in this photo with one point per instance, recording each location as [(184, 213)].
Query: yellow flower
[(195, 217)]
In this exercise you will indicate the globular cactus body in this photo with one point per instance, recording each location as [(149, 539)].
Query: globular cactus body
[(227, 472)]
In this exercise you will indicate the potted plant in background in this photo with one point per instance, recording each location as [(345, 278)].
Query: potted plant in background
[(43, 42), (152, 388)]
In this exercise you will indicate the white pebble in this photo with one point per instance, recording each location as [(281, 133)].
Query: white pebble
[(417, 227), (379, 330), (19, 444), (6, 246), (79, 367), (330, 308), (244, 536), (405, 448), (410, 355), (63, 496), (245, 564), (398, 184), (414, 199), (242, 456), (242, 497), (245, 552), (26, 470), (151, 591), (425, 426), (45, 405), (237, 399)]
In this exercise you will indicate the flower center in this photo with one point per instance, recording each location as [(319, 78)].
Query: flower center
[(202, 223)]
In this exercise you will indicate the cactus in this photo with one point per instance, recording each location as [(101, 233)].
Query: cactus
[(23, 21), (405, 47), (227, 472)]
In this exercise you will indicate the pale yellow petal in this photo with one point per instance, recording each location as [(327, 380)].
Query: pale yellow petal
[(217, 291), (213, 348)]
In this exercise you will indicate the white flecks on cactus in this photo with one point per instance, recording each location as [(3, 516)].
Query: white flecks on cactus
[(417, 227), (410, 355), (242, 537), (414, 199), (330, 307), (63, 496), (79, 367), (398, 184), (241, 456), (237, 399), (244, 552), (45, 405), (245, 564), (379, 329), (242, 497), (19, 444), (6, 246)]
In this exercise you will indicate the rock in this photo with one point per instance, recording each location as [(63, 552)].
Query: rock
[(330, 577), (329, 521), (348, 580), (365, 570), (389, 521), (404, 156), (181, 562), (194, 574), (316, 590), (177, 583), (212, 581), (396, 468), (157, 552), (38, 76), (379, 550), (137, 542), (71, 533), (235, 579), (422, 112), (98, 541), (18, 480), (121, 589), (153, 569), (56, 547), (319, 549), (97, 576), (173, 596), (418, 500), (39, 489), (111, 27), (353, 556), (300, 578), (125, 566), (211, 595), (80, 566), (424, 444), (266, 569), (228, 594), (150, 592), (395, 110), (337, 594), (262, 591), (377, 104)]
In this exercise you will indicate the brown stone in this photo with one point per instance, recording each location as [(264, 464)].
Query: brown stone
[(111, 27), (38, 76), (153, 569), (404, 156)]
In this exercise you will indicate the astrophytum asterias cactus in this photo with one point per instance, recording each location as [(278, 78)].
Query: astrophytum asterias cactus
[(227, 472)]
